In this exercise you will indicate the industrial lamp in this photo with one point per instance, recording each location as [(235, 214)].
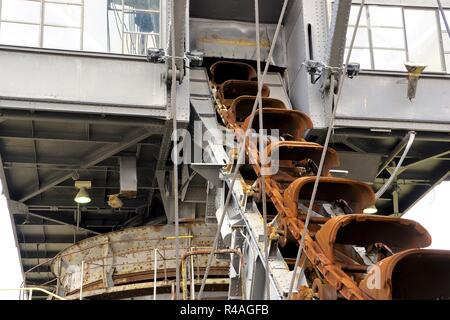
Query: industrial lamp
[(371, 210), (82, 196), (414, 72)]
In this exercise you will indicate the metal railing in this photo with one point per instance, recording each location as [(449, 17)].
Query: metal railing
[(32, 289), (87, 265), (194, 252)]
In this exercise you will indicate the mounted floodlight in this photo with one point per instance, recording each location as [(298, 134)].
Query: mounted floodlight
[(414, 72), (156, 55), (196, 58), (353, 70), (339, 173), (114, 201), (82, 196), (371, 210)]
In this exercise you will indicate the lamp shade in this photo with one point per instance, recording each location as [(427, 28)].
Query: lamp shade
[(82, 196)]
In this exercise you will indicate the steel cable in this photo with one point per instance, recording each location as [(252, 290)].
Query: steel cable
[(173, 93), (262, 157), (242, 150), (335, 102)]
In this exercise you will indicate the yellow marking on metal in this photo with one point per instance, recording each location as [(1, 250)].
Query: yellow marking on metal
[(235, 42), (179, 237)]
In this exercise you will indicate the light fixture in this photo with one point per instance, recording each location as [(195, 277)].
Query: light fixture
[(114, 201), (82, 196), (371, 210), (339, 173), (414, 72)]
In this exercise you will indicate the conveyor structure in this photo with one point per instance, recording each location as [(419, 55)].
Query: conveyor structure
[(233, 220)]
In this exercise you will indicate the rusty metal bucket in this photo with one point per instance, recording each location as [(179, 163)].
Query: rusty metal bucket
[(416, 274), (289, 123), (226, 70), (232, 89), (242, 107), (290, 152), (358, 195), (363, 230)]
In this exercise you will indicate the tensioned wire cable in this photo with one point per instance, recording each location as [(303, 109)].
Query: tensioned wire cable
[(335, 103), (262, 157), (173, 93), (242, 150), (441, 9)]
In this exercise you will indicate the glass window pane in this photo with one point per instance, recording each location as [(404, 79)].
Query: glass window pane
[(389, 59), (21, 11), (423, 38), (354, 16), (138, 44), (142, 22), (362, 37), (361, 56), (62, 15), (62, 38), (446, 41), (447, 15), (142, 4), (19, 34), (95, 36), (388, 38), (114, 37), (385, 16)]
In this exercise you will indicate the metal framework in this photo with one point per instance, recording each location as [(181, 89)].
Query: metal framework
[(52, 134)]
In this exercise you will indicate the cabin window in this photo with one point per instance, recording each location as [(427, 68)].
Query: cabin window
[(141, 27), (115, 26), (389, 35)]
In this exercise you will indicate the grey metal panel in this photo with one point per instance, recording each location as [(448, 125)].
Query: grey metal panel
[(198, 74), (128, 174), (304, 95), (180, 22), (200, 88), (82, 80), (338, 32), (382, 98), (361, 166), (235, 40)]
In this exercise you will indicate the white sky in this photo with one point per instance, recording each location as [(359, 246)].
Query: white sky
[(432, 212), (10, 273)]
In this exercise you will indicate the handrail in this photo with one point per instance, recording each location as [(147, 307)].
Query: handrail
[(202, 252), (31, 289), (109, 242)]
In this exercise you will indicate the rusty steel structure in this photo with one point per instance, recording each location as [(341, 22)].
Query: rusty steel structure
[(334, 268), (134, 261), (230, 151)]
